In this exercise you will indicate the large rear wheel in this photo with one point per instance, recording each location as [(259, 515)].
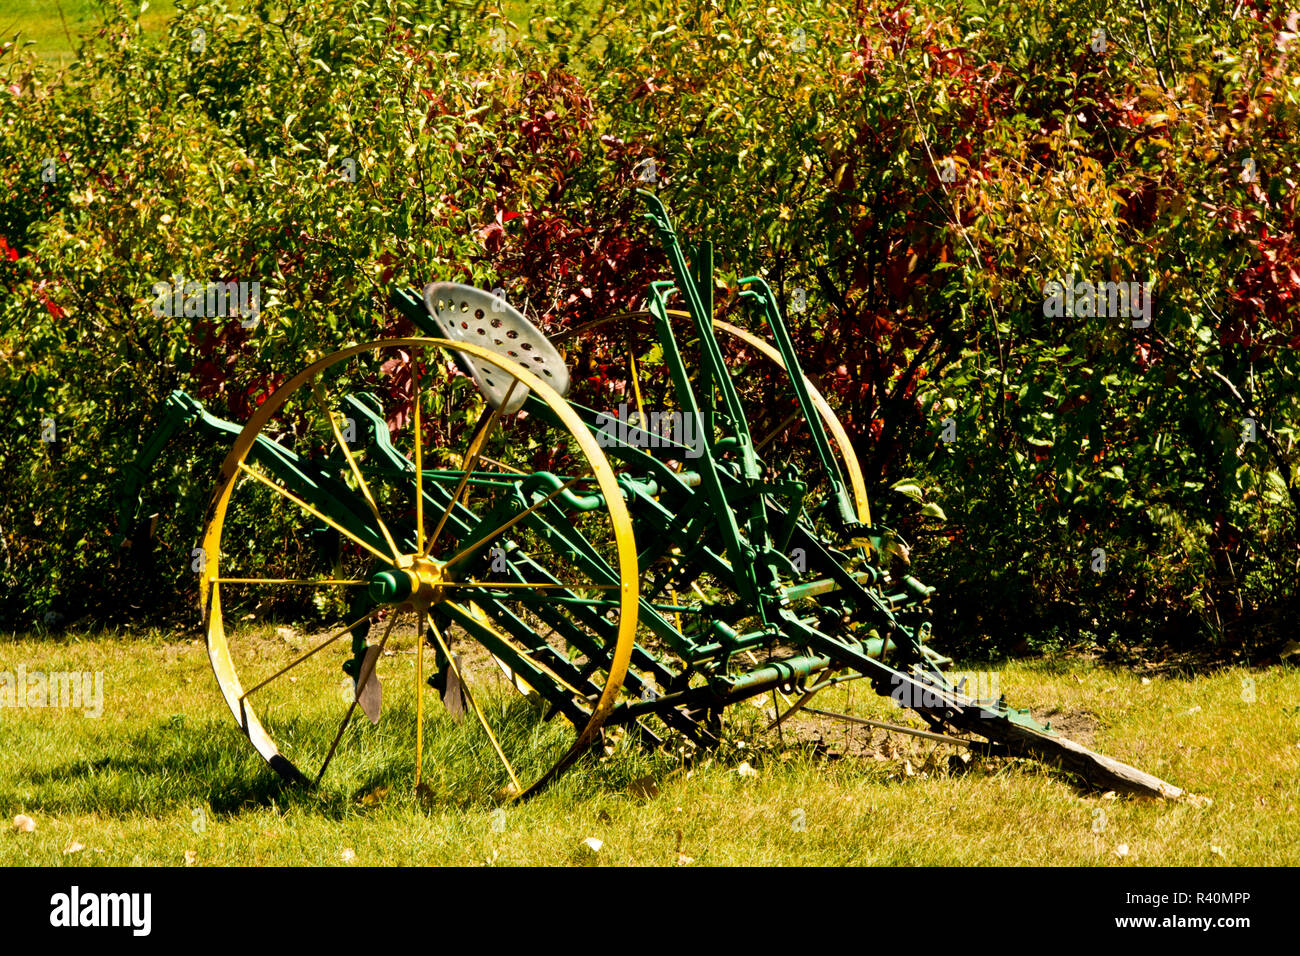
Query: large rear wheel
[(460, 547)]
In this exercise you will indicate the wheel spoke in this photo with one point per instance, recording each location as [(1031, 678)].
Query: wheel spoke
[(529, 584), (319, 582), (789, 420), (419, 459), (502, 465), (356, 697), (532, 598), (317, 392), (636, 388), (310, 510), (521, 651), (451, 662), (419, 698), (470, 463), (515, 520), (318, 647)]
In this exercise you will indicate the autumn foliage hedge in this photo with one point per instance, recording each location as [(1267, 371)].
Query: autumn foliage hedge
[(915, 175)]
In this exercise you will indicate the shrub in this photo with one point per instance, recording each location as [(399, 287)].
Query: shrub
[(920, 173)]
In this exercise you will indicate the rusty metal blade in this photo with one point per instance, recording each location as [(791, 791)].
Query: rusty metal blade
[(453, 694), (370, 695)]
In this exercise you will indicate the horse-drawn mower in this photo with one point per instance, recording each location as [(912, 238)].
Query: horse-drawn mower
[(645, 569)]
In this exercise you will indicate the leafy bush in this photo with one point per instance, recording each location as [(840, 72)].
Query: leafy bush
[(916, 174), (327, 158), (922, 174)]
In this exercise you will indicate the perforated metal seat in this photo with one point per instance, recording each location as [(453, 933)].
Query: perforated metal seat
[(467, 314)]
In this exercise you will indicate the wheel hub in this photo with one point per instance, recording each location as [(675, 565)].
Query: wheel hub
[(418, 580)]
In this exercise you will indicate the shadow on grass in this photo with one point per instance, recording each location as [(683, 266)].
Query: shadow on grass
[(165, 767), (177, 765), (174, 766)]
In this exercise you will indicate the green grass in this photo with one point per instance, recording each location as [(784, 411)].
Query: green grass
[(55, 26), (162, 774)]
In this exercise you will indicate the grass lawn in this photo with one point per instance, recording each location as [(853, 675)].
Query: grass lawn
[(54, 26), (163, 778)]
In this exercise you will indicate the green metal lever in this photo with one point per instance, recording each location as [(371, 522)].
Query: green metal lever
[(761, 292)]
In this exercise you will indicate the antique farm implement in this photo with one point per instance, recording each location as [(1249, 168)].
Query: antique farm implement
[(555, 568)]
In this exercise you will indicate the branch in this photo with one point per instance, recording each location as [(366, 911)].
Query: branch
[(1155, 57)]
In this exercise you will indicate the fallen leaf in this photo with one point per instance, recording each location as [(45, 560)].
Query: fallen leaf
[(191, 858), (593, 844), (1121, 851), (1195, 710), (745, 770), (24, 824), (1110, 795), (284, 633), (684, 860), (1146, 680), (1217, 851), (348, 855), (73, 847)]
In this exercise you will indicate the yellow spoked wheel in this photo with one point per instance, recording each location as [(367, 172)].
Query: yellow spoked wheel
[(462, 548)]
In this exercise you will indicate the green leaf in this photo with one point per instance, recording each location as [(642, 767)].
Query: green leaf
[(906, 487)]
